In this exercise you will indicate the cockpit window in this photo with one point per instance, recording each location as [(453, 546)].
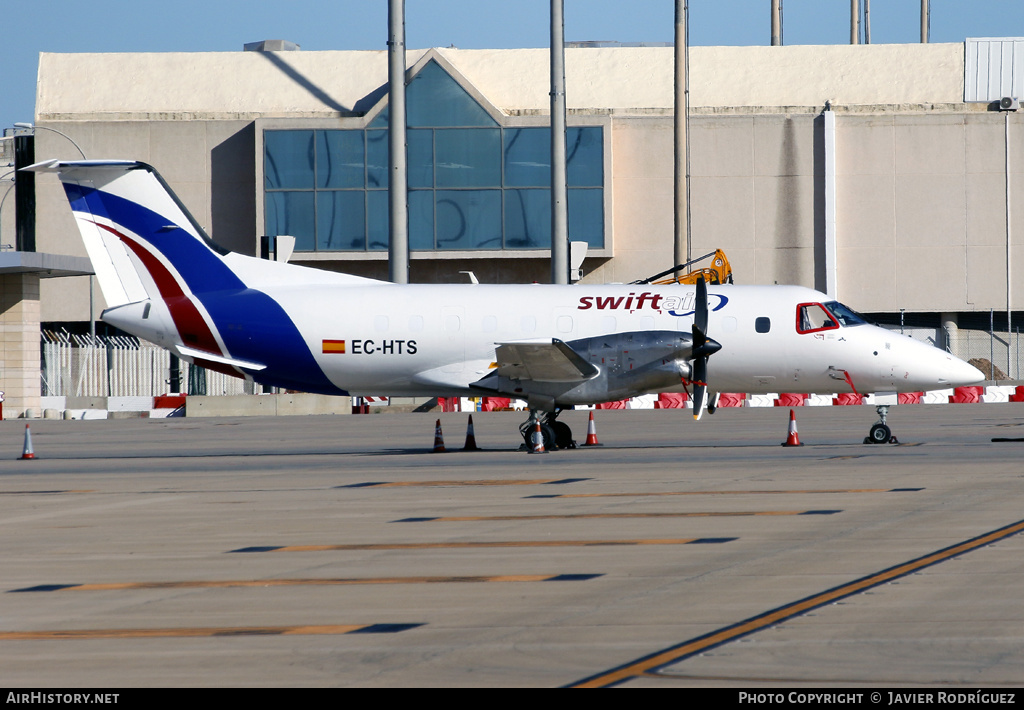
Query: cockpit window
[(813, 317), (844, 315)]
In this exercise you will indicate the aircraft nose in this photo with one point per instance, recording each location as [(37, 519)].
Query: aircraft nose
[(961, 374)]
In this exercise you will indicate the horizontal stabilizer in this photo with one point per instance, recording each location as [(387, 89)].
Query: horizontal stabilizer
[(542, 362), (220, 359)]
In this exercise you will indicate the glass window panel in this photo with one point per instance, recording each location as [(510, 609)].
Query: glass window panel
[(421, 219), (468, 219), (420, 157), (381, 119), (376, 158), (586, 216), (340, 220), (433, 98), (378, 219), (527, 157), (468, 157), (291, 213), (340, 160), (287, 159), (584, 152), (527, 219)]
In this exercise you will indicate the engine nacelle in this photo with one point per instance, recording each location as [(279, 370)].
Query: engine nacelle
[(627, 363)]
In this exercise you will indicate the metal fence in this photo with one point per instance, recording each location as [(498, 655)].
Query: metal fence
[(121, 366), (997, 354), (1000, 352)]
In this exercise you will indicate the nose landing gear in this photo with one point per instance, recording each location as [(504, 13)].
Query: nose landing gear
[(880, 432)]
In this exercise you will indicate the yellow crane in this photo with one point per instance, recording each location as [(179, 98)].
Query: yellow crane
[(718, 273)]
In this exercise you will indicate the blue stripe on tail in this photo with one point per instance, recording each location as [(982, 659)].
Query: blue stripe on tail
[(252, 325)]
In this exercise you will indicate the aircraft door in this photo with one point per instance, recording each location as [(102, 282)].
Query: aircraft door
[(453, 331)]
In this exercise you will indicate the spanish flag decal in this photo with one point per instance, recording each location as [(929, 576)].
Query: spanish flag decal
[(334, 346)]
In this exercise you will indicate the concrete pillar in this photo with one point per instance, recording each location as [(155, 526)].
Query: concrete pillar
[(19, 333), (949, 331)]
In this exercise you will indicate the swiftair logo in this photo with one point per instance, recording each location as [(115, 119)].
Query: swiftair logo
[(674, 305)]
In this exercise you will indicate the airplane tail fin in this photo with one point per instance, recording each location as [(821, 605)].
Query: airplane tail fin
[(164, 280), (135, 230)]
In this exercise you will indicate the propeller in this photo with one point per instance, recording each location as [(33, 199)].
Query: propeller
[(703, 348)]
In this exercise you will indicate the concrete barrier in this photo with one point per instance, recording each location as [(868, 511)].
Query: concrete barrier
[(265, 405)]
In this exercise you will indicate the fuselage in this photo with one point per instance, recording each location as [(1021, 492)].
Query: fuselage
[(316, 331), (385, 339)]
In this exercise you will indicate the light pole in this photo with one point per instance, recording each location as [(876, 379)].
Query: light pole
[(33, 127)]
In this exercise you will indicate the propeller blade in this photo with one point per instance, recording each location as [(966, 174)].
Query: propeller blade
[(700, 388), (703, 348), (700, 308)]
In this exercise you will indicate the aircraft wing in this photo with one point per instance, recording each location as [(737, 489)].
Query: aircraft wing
[(552, 361)]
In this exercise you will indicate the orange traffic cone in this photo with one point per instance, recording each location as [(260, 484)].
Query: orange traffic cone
[(470, 437), (793, 439), (592, 433), (538, 440), (27, 452), (438, 439)]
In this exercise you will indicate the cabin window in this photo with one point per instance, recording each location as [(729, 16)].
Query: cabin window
[(844, 315), (813, 317), (763, 324)]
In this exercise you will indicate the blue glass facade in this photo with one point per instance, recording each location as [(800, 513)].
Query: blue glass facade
[(473, 183)]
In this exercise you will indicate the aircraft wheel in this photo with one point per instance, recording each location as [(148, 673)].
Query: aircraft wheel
[(880, 434), (563, 436), (550, 440)]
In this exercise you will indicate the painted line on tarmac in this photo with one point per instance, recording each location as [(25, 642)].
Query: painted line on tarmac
[(724, 493), (208, 632), (647, 666), (45, 493), (478, 545), (533, 482), (214, 584), (480, 518)]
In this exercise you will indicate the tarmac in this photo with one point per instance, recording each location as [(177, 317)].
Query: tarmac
[(340, 551)]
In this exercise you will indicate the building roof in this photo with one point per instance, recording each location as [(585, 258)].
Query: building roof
[(623, 79)]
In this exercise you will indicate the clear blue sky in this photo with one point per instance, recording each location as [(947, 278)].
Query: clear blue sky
[(225, 25)]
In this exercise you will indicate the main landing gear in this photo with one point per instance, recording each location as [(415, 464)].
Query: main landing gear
[(880, 432), (557, 435)]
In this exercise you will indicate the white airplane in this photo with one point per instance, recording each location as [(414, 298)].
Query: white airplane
[(553, 346)]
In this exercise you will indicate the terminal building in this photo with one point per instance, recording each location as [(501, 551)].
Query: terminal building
[(888, 176)]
